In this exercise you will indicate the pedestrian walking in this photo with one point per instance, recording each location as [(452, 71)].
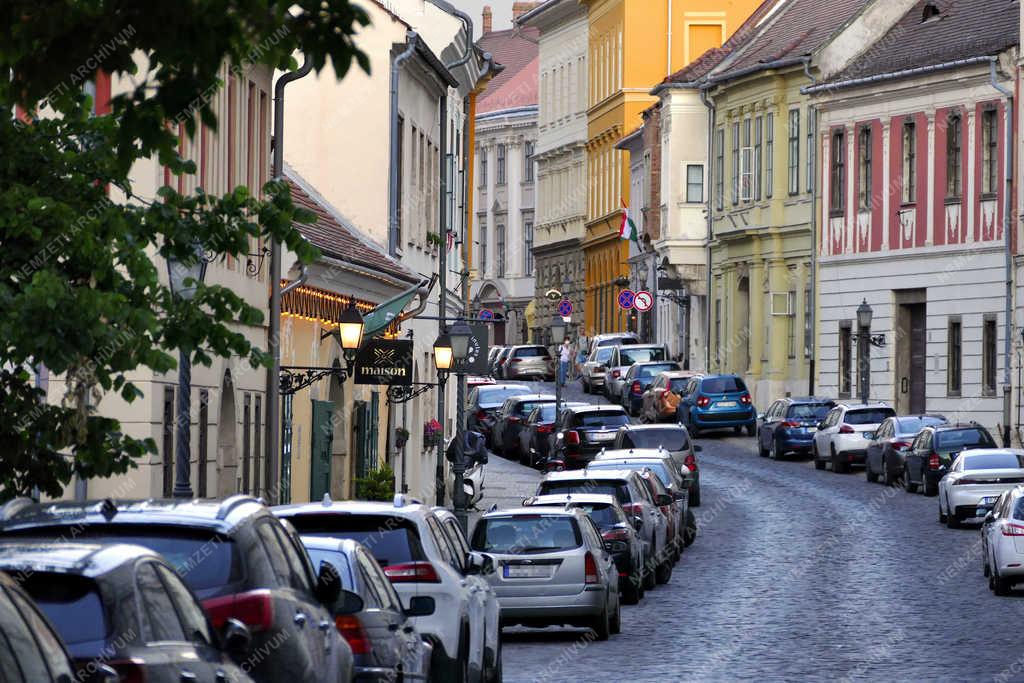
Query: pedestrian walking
[(564, 356)]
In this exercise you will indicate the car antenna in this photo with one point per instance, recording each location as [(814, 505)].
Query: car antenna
[(494, 506)]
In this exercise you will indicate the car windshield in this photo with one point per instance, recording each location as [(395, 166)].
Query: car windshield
[(525, 534), (959, 439), (603, 514), (531, 352), (336, 558), (615, 341), (1018, 510), (391, 540), (628, 356), (74, 607), (868, 416), (678, 384), (993, 461), (601, 419), (912, 425), (495, 396), (722, 385), (546, 413), (204, 560), (671, 439), (607, 487), (649, 371), (809, 411), (657, 467), (603, 353), (526, 407)]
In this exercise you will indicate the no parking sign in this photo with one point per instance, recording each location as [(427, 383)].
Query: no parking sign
[(626, 298)]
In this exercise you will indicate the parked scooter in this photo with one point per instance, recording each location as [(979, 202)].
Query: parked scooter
[(475, 454)]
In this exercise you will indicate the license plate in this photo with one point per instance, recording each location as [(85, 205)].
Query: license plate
[(988, 501), (603, 436), (527, 571), (726, 404)]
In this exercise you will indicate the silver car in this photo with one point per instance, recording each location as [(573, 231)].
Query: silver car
[(623, 357), (975, 480), (673, 438), (550, 567), (1002, 542), (592, 374), (528, 361)]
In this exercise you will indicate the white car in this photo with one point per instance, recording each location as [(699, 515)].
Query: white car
[(975, 480), (409, 541), (592, 373), (1002, 541), (623, 358), (843, 437)]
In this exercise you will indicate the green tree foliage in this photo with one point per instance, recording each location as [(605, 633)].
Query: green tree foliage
[(378, 484), (80, 289)]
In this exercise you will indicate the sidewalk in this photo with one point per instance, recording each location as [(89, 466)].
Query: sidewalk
[(506, 483)]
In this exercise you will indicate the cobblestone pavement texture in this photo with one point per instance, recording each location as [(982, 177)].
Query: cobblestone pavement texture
[(796, 575)]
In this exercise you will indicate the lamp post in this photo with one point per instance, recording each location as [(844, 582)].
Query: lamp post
[(864, 314), (557, 337), (184, 278), (460, 335), (443, 361)]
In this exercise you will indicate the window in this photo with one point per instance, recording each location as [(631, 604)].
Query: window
[(794, 151), (246, 440), (168, 441), (501, 165), (160, 621), (864, 169), (500, 260), (719, 168), (989, 152), (791, 319), (758, 160), (988, 356), (528, 162), (954, 165), (845, 359), (400, 147), (483, 168), (909, 163), (483, 249), (694, 183), (718, 331), (810, 151), (735, 163), (954, 351), (528, 255), (838, 174), (191, 615), (808, 318), (769, 153)]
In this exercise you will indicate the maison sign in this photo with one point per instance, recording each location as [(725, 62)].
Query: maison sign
[(385, 361)]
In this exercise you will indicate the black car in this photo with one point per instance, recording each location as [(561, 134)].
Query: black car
[(934, 449), (581, 432), (125, 606), (638, 379), (789, 424), (536, 433), (235, 555), (483, 403), (509, 419), (887, 452), (30, 649)]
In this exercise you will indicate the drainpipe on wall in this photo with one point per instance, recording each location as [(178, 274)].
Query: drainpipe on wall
[(410, 39), (1008, 241), (272, 464), (812, 343), (442, 302), (711, 176)]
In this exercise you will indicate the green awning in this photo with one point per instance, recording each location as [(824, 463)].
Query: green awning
[(378, 320)]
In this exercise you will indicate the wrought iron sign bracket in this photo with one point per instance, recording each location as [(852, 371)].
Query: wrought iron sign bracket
[(403, 394), (294, 378)]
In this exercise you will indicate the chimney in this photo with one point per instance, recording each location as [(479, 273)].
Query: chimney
[(521, 8), (488, 17)]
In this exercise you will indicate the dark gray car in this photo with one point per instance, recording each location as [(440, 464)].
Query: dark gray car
[(887, 451)]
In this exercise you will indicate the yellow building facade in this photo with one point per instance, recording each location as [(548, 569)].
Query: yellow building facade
[(633, 45)]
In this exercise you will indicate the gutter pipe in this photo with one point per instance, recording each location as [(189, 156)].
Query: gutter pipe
[(712, 113), (812, 343)]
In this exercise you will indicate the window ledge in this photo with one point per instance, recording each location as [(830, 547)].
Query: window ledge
[(837, 213), (989, 196), (908, 205), (951, 201)]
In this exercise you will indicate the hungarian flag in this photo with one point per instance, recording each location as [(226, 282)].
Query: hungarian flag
[(627, 230), (449, 240)]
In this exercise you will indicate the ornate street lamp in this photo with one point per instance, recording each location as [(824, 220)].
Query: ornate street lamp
[(443, 357), (864, 315), (461, 335), (350, 329), (557, 337)]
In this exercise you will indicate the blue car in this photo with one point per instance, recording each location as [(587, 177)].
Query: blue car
[(789, 425), (717, 402)]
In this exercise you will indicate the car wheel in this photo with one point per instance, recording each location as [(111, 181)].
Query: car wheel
[(695, 497), (616, 623), (602, 624), (632, 590), (887, 477), (773, 450), (909, 486), (751, 429), (952, 520), (942, 515), (663, 573), (586, 387), (819, 464), (649, 581), (870, 474), (837, 467), (761, 450), (929, 488), (493, 674), (690, 533), (525, 458), (1001, 586)]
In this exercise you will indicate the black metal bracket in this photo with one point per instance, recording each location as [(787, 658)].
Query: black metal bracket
[(876, 340), (253, 267), (294, 378), (404, 394)]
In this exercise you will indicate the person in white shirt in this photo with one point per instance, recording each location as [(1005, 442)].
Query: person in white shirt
[(564, 356)]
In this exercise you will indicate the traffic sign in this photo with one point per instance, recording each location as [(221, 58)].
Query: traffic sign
[(565, 308), (486, 314), (643, 301), (626, 297)]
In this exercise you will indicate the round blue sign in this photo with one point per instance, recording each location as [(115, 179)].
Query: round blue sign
[(626, 298), (565, 308), (487, 314)]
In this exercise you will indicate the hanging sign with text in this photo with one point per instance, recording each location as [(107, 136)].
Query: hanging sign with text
[(385, 361)]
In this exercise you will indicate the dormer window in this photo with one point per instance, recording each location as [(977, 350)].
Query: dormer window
[(931, 12)]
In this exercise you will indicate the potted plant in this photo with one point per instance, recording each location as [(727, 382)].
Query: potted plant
[(434, 239), (378, 484), (431, 433), (401, 437)]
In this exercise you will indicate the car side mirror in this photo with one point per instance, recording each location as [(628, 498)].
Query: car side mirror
[(663, 499), (237, 639), (638, 523), (328, 584), (697, 449), (348, 603), (105, 674), (760, 416), (989, 518), (479, 564), (420, 606), (821, 425)]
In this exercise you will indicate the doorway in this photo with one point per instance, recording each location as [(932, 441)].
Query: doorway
[(320, 452), (227, 451), (911, 351)]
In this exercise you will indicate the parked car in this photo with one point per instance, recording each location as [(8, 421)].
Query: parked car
[(638, 379), (239, 560), (509, 419), (473, 381), (125, 606), (975, 481), (623, 357), (789, 424), (498, 366), (378, 628), (653, 406), (674, 439), (529, 361), (717, 402), (613, 339), (581, 432), (618, 530), (1002, 541), (932, 452), (635, 498), (843, 436), (592, 373), (551, 568), (492, 356), (483, 402), (537, 432), (32, 650), (407, 540), (886, 452)]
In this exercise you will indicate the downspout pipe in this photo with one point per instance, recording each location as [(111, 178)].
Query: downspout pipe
[(411, 39), (1008, 242), (812, 283), (466, 21), (272, 463), (712, 113)]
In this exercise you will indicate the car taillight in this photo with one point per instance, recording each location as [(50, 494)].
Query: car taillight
[(616, 374), (352, 631), (900, 444), (1013, 530), (933, 461), (966, 480), (745, 399), (572, 438), (790, 424), (544, 429), (129, 670), (516, 360), (514, 420), (615, 535), (690, 461), (846, 429), (632, 508), (590, 569), (636, 388), (703, 401), (481, 414), (255, 609), (412, 572)]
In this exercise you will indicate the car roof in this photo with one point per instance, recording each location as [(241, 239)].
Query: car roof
[(572, 475), (565, 498), (532, 510), (533, 397), (505, 385), (645, 363), (529, 346), (632, 453), (680, 374), (947, 427), (993, 451), (856, 405), (660, 426), (402, 506), (61, 557), (347, 546), (807, 399), (720, 376), (591, 408), (219, 515)]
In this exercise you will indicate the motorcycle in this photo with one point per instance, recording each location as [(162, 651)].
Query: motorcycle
[(474, 451)]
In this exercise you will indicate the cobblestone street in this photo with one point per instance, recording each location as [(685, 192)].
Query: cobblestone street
[(797, 574)]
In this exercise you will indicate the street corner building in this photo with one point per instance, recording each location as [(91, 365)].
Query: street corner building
[(917, 215)]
